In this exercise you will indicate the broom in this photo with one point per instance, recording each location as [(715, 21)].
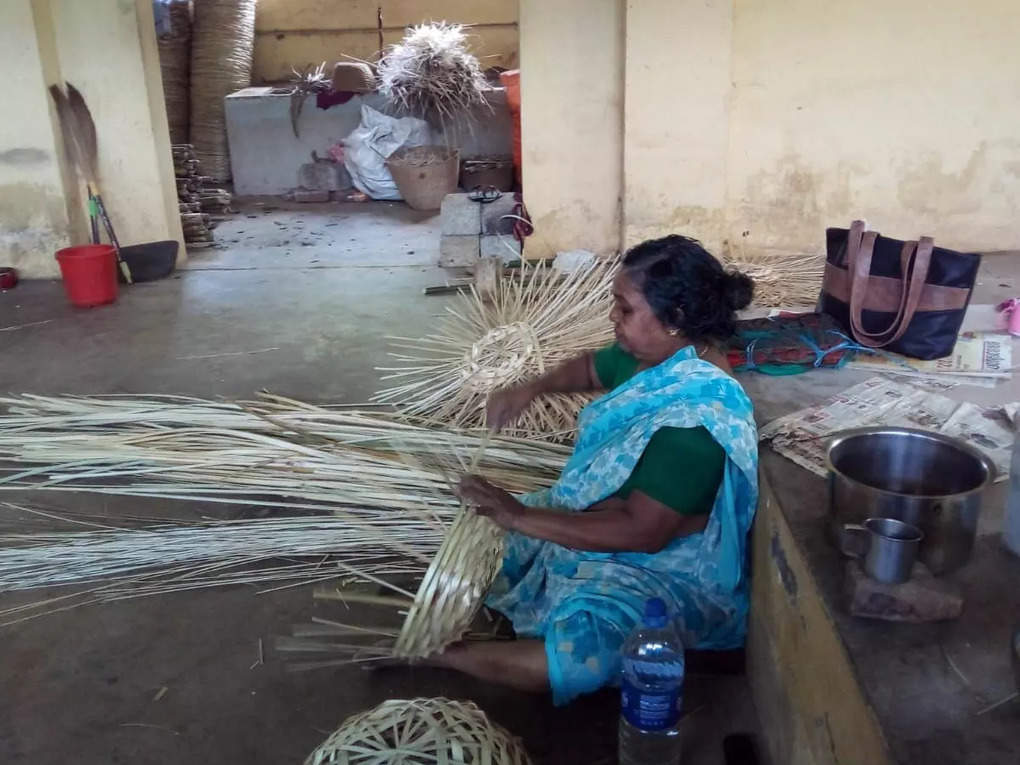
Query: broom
[(78, 130)]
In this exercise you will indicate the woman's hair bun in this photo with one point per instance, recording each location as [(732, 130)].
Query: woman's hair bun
[(738, 289)]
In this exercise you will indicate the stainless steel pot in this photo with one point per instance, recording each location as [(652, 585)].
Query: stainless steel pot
[(926, 479)]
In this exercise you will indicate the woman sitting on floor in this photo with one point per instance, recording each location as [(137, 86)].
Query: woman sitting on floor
[(656, 499)]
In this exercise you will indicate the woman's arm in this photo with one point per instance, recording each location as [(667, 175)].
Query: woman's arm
[(637, 524), (575, 376)]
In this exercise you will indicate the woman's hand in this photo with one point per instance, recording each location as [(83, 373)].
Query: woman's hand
[(490, 501), (504, 406)]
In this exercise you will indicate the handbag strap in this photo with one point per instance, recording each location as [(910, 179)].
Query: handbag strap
[(915, 261)]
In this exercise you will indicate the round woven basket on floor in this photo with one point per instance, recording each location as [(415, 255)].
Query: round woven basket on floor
[(222, 42), (425, 731), (425, 174)]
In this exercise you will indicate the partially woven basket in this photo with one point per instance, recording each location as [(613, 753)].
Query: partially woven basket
[(419, 732), (221, 55), (453, 588)]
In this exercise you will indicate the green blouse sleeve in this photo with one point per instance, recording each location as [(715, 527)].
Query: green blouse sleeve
[(614, 366), (682, 468)]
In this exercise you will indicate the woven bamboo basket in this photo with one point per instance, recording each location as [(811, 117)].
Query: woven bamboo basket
[(425, 174), (453, 588), (221, 54), (420, 731)]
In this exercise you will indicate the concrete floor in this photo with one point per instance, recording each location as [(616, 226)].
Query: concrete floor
[(299, 301)]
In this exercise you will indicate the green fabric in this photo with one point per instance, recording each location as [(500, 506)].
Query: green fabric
[(680, 467)]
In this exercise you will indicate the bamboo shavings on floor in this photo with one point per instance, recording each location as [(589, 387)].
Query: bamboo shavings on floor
[(537, 320), (435, 730)]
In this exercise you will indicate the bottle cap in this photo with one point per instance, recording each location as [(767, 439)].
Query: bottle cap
[(655, 613)]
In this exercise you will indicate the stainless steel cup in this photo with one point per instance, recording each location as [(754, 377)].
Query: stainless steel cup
[(888, 547)]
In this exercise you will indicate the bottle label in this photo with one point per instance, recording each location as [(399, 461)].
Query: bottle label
[(649, 710)]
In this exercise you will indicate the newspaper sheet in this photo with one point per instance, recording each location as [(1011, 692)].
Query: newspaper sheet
[(979, 358), (802, 436)]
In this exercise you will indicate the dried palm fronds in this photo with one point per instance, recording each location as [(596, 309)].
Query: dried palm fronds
[(536, 320), (310, 80), (431, 74), (423, 730)]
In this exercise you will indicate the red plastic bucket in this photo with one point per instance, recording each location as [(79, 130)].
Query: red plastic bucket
[(90, 274)]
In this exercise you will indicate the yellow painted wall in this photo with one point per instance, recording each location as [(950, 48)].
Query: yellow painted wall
[(572, 123), (107, 49), (754, 124), (33, 213), (676, 115), (293, 33), (905, 113)]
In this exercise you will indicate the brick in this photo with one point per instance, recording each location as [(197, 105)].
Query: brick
[(493, 221), (505, 247), (458, 251), (922, 598), (459, 216)]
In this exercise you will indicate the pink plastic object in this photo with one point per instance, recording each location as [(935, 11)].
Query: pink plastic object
[(1009, 316)]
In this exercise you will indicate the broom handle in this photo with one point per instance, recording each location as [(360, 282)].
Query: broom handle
[(94, 218), (108, 225)]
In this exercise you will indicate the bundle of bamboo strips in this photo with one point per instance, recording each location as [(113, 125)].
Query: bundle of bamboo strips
[(302, 456), (536, 320)]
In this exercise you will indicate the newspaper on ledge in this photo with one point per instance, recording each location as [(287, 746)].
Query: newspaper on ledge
[(803, 435), (979, 358)]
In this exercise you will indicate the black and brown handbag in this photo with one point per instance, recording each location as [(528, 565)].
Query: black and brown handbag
[(905, 297)]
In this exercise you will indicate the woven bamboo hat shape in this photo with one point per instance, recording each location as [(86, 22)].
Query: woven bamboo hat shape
[(353, 77), (408, 732)]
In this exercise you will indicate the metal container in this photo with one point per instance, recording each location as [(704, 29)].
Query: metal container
[(926, 479), (887, 546)]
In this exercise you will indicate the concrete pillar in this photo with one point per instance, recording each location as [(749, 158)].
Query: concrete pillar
[(676, 119), (34, 220), (572, 123), (107, 48)]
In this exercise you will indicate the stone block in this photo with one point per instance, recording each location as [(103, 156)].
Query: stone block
[(499, 246), (922, 598), (459, 216), (331, 176), (458, 251), (311, 195), (493, 221)]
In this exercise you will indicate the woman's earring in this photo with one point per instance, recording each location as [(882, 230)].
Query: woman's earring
[(674, 332)]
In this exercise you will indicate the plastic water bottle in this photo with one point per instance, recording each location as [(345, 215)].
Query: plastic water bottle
[(651, 691)]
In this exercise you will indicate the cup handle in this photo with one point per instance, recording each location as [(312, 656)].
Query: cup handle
[(854, 540)]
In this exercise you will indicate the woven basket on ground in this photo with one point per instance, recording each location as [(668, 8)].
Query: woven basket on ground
[(425, 174), (221, 54), (175, 68), (413, 731)]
